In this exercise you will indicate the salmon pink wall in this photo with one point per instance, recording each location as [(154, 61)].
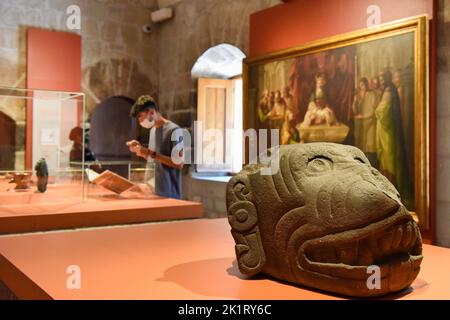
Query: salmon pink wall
[(53, 60), (299, 21), (53, 63)]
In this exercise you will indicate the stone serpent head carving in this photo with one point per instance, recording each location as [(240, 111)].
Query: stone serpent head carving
[(321, 220)]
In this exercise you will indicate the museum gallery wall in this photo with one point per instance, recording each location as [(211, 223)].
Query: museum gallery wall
[(366, 88), (322, 49)]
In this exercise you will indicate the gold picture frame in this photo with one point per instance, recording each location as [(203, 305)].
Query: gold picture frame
[(415, 28)]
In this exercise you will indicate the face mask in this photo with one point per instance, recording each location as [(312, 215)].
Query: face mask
[(147, 123)]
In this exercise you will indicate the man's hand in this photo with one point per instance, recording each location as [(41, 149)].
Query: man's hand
[(139, 150), (143, 152), (133, 145)]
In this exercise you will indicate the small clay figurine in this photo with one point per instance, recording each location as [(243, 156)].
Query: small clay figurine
[(42, 175)]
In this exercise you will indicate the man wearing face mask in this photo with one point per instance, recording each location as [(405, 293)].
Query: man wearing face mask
[(161, 147)]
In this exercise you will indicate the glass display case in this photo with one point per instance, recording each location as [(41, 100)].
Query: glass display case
[(37, 141), (45, 160), (107, 179)]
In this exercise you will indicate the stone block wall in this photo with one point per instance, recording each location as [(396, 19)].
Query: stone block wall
[(117, 57), (197, 26), (210, 193)]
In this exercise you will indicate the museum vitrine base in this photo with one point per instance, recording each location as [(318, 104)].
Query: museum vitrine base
[(61, 207), (192, 259)]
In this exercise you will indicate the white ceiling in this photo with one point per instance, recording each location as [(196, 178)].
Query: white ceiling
[(223, 61)]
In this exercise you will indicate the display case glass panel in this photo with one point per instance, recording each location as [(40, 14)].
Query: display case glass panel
[(121, 179), (45, 162), (37, 142)]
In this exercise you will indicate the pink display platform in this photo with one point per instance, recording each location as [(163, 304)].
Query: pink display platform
[(173, 260), (64, 208)]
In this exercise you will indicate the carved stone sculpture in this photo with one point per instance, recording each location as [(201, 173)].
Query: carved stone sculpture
[(42, 175), (322, 220)]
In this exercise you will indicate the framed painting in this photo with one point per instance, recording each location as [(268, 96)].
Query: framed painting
[(367, 88)]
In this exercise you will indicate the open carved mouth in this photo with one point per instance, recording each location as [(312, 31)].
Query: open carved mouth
[(393, 244)]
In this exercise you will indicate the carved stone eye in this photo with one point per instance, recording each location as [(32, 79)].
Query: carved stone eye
[(360, 160), (320, 164)]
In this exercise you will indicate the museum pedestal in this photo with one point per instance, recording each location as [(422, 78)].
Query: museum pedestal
[(175, 260), (62, 208)]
